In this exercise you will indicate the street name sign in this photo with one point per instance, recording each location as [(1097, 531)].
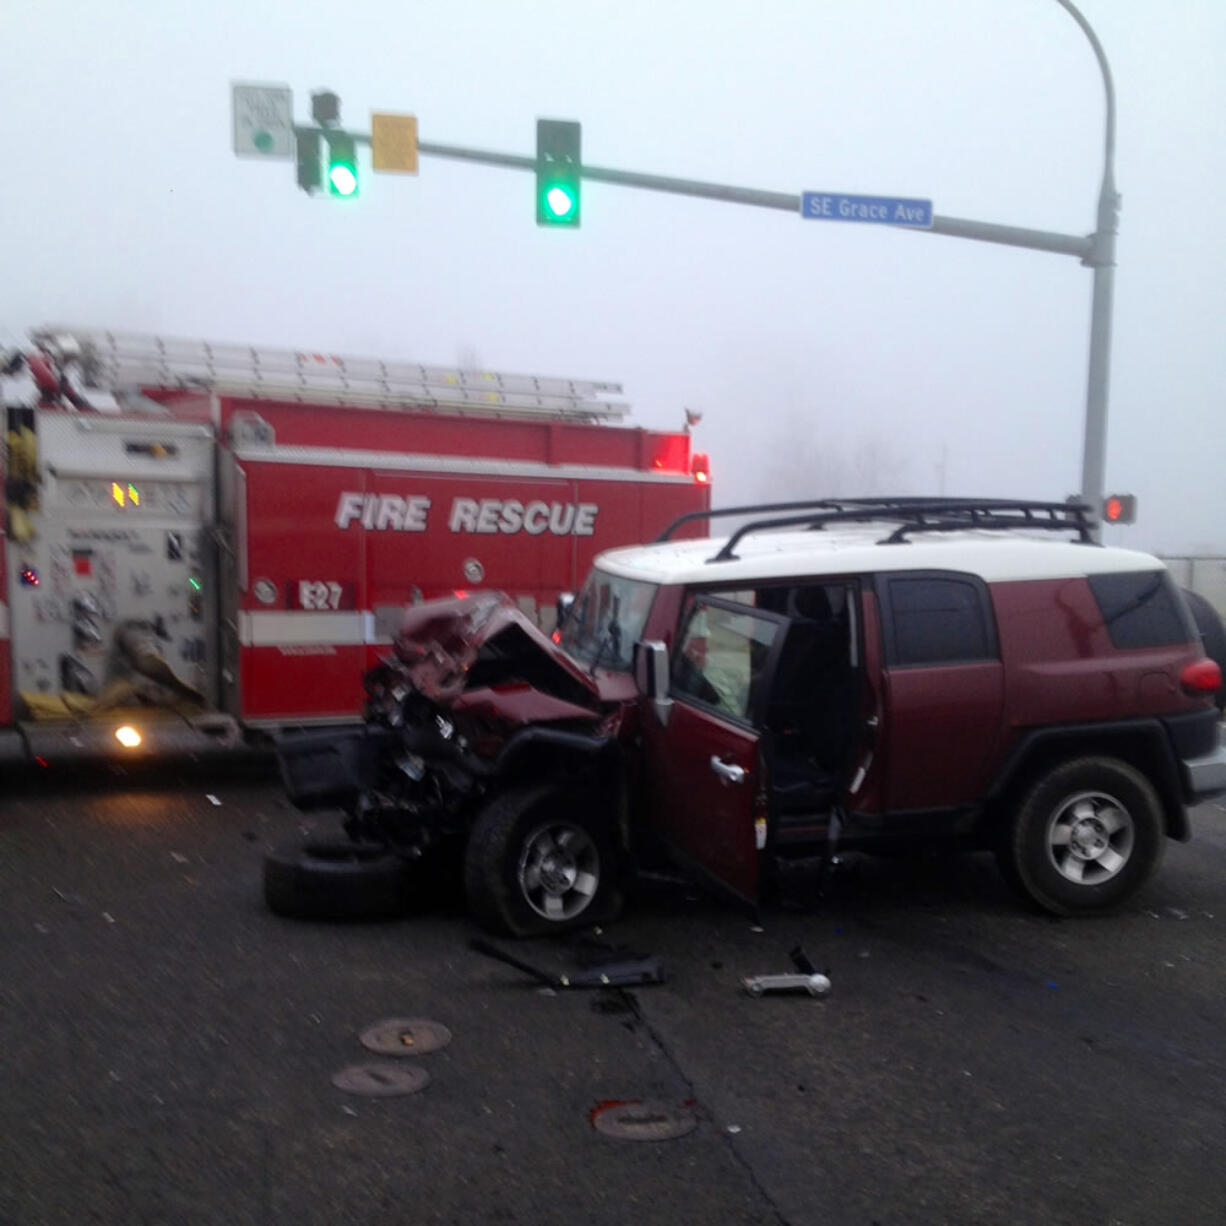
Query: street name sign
[(878, 210), (263, 120)]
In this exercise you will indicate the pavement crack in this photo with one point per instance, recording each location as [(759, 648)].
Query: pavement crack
[(653, 1033)]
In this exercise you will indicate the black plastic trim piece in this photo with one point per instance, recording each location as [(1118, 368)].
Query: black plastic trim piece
[(1169, 785), (1195, 734)]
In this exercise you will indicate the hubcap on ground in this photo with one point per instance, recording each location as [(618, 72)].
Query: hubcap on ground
[(1090, 837), (559, 871)]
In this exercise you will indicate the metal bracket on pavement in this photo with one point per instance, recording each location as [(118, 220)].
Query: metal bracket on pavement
[(806, 978), (625, 973)]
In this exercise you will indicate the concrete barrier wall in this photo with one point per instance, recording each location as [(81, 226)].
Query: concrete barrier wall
[(1204, 575)]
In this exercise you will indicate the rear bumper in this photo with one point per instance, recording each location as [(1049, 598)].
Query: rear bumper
[(1205, 776), (160, 736)]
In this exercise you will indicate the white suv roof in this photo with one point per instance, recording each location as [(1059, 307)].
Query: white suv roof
[(861, 549)]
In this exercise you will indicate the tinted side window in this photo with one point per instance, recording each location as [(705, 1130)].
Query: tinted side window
[(1141, 609), (938, 621)]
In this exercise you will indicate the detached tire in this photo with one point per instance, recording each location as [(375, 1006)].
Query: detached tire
[(1084, 837), (335, 880), (541, 860)]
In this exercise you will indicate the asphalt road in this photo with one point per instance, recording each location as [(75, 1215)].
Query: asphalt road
[(167, 1045)]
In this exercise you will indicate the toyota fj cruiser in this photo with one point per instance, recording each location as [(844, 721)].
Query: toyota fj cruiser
[(834, 674)]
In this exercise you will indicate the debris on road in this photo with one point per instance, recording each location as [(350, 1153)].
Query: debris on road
[(622, 973), (759, 985), (806, 978), (212, 799), (638, 1120)]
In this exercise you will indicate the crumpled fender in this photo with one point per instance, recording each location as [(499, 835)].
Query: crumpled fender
[(439, 642)]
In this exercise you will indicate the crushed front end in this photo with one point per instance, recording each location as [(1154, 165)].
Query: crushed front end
[(472, 699)]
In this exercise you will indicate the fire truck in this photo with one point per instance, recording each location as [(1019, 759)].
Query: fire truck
[(206, 544)]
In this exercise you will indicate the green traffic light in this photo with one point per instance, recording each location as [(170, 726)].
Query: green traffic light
[(559, 202), (342, 180), (342, 165), (559, 169)]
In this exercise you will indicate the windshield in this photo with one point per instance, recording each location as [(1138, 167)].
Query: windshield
[(607, 620)]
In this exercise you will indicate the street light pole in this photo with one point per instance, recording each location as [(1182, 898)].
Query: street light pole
[(1101, 258)]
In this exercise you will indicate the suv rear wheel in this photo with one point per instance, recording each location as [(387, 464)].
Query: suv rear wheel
[(1085, 836), (541, 860)]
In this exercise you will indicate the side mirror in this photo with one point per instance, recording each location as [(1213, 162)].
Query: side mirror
[(651, 676), (563, 607)]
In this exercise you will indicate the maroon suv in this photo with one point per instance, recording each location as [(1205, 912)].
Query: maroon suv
[(838, 674)]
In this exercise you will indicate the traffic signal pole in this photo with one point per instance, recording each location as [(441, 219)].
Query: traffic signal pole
[(1077, 245), (1096, 250)]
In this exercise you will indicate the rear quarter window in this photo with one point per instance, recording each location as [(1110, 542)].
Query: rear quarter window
[(938, 619), (1142, 609)]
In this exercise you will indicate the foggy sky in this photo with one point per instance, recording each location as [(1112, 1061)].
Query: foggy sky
[(826, 357)]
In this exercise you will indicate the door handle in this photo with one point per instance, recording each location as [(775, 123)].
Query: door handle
[(729, 772)]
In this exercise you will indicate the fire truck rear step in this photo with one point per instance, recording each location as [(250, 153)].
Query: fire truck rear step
[(160, 736)]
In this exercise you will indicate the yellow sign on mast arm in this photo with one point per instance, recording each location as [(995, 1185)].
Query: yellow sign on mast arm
[(393, 142)]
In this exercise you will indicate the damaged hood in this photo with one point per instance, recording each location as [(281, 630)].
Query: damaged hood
[(484, 648)]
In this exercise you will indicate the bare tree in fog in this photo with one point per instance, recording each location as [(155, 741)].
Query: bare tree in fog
[(812, 461)]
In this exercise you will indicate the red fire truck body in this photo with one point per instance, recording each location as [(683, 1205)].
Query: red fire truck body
[(228, 543)]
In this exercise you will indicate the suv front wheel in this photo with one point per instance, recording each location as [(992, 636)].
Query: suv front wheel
[(1084, 837), (541, 860)]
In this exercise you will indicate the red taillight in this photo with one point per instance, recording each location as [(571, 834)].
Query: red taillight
[(700, 467), (556, 636), (1201, 677)]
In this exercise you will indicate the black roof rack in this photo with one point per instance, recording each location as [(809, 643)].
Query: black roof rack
[(912, 515)]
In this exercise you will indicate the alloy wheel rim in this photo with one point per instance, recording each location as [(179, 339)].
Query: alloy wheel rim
[(559, 871), (1090, 838)]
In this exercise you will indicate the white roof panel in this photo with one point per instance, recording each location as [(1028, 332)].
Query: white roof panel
[(996, 557)]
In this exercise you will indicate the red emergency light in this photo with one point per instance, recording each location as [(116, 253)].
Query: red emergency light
[(700, 467)]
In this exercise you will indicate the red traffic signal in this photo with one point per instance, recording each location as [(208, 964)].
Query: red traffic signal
[(1120, 509)]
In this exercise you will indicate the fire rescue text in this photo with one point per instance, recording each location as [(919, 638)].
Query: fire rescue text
[(379, 512)]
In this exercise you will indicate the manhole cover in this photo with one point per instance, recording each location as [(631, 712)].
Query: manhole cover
[(646, 1121), (405, 1036), (381, 1080)]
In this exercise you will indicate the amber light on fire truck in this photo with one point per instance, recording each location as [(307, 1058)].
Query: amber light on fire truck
[(128, 737)]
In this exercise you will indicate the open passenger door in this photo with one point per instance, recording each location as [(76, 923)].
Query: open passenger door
[(705, 787)]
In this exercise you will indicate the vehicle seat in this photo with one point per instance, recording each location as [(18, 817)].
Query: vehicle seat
[(809, 700)]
